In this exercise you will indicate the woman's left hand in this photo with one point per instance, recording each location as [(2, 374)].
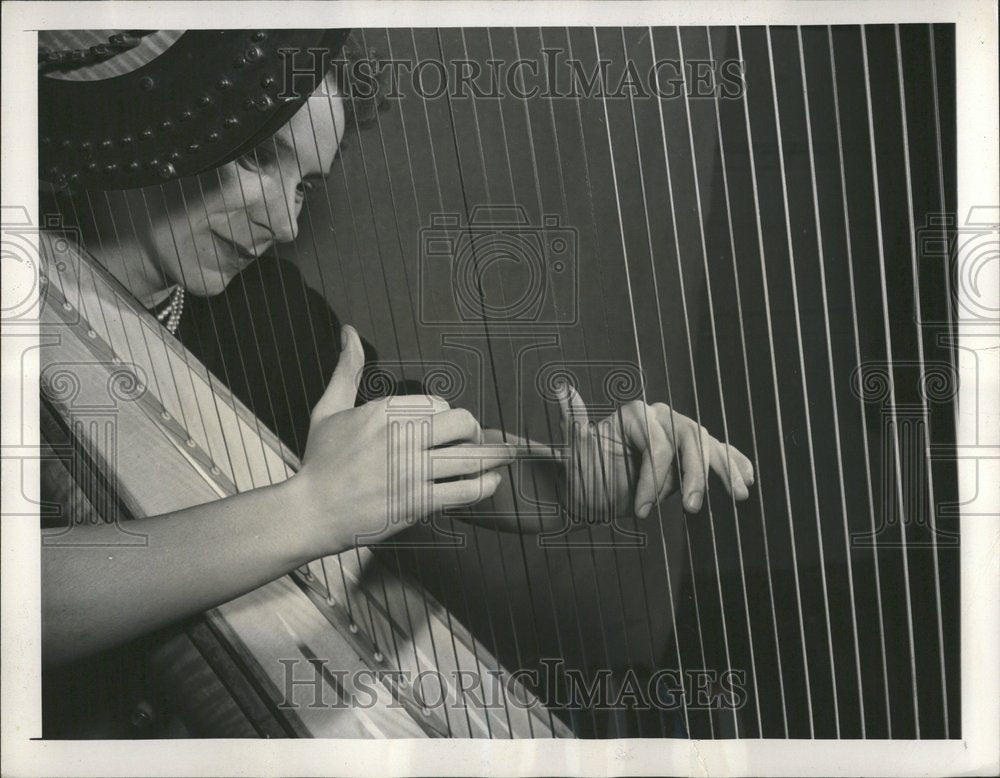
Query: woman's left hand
[(626, 460)]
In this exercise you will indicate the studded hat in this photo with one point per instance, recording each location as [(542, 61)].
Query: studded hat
[(120, 109)]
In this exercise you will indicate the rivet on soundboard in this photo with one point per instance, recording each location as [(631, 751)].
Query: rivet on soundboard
[(110, 168), (267, 82), (263, 103), (239, 62), (248, 104), (73, 178), (213, 137), (253, 54), (166, 170), (204, 100), (258, 36), (125, 140), (230, 122), (84, 145), (175, 155), (65, 144), (133, 166), (92, 167), (189, 443), (194, 148), (166, 125), (106, 143), (222, 84), (186, 116), (146, 84), (146, 134)]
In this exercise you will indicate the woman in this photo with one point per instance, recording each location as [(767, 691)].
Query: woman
[(202, 239)]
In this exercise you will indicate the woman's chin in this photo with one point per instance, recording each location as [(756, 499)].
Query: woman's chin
[(209, 285)]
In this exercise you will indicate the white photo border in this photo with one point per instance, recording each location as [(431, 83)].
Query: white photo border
[(977, 752)]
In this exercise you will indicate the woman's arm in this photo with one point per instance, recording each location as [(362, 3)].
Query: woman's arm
[(98, 595), (95, 596)]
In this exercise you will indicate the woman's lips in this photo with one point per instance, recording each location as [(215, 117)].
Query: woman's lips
[(244, 256)]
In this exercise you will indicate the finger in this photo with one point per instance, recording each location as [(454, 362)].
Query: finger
[(467, 491), (464, 460), (725, 466), (744, 464), (574, 410), (643, 433), (693, 470), (342, 391), (455, 426)]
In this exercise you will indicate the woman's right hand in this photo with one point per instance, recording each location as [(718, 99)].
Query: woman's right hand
[(369, 471)]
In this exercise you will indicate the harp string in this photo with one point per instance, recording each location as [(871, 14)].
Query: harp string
[(722, 403), (464, 354), (669, 173), (723, 164), (538, 194), (951, 347), (215, 329), (292, 220), (857, 357), (897, 459), (548, 420), (492, 359), (600, 266), (396, 211), (802, 370), (925, 415), (630, 478), (776, 394), (625, 257), (564, 203), (833, 388)]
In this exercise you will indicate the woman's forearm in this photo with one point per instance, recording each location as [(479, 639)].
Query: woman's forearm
[(100, 593)]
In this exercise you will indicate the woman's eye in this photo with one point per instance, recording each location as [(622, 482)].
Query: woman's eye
[(257, 158)]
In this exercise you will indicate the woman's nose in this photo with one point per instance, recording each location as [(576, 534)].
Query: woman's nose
[(283, 206)]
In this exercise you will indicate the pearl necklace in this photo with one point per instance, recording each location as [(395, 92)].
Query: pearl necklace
[(171, 315)]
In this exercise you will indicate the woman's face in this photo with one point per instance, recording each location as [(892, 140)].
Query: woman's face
[(202, 231)]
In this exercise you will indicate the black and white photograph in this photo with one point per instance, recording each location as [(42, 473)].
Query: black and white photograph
[(500, 388)]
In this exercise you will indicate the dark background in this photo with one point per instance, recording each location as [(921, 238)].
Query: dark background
[(705, 260)]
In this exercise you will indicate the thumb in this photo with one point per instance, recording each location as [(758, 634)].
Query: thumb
[(342, 390)]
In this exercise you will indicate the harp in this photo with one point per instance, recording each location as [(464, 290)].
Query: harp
[(761, 223)]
